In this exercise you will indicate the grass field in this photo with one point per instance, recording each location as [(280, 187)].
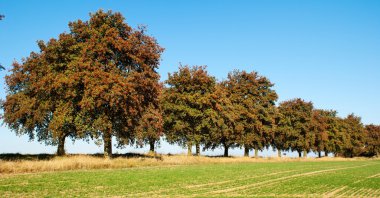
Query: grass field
[(357, 178)]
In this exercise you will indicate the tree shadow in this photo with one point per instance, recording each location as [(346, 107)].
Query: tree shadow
[(31, 157), (44, 156), (218, 156)]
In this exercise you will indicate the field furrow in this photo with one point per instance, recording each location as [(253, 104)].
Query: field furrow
[(274, 179)]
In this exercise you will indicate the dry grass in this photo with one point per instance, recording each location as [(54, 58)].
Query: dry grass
[(86, 162)]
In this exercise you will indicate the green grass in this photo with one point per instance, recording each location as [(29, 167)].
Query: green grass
[(271, 179)]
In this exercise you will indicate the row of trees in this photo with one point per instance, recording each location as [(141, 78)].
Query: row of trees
[(100, 81), (241, 112)]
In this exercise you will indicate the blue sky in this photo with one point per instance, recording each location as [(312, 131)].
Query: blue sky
[(327, 52)]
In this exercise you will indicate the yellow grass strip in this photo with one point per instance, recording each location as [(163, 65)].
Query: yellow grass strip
[(87, 162)]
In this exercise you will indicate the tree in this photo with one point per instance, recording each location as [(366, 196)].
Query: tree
[(353, 136), (40, 98), (97, 80), (254, 97), (322, 126), (334, 140), (372, 140), (279, 135), (337, 136), (118, 71), (224, 130), (296, 124), (150, 127), (185, 100)]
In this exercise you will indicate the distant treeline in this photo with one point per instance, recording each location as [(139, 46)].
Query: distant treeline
[(100, 80)]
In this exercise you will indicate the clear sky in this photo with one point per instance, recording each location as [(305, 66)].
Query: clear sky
[(327, 52)]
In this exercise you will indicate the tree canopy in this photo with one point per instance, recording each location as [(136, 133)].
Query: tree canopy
[(97, 80), (42, 94), (323, 128), (296, 120), (185, 101), (372, 140), (254, 99)]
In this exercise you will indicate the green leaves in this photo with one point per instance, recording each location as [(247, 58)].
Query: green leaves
[(185, 103), (253, 99), (295, 125)]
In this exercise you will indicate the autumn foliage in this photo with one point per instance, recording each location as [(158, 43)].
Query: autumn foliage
[(95, 81), (186, 103), (99, 81)]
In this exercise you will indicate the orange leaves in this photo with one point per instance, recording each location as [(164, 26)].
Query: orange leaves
[(119, 78), (99, 77), (150, 126)]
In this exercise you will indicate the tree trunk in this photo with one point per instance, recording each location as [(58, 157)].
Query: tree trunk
[(151, 145), (279, 153), (189, 146), (61, 145), (246, 151), (304, 154), (319, 154), (225, 151), (198, 149), (107, 144), (299, 154), (326, 154), (256, 152)]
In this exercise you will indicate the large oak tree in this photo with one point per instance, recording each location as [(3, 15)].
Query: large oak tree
[(323, 127), (296, 120), (118, 70), (42, 94), (352, 136), (254, 98), (185, 101), (224, 130), (97, 80)]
